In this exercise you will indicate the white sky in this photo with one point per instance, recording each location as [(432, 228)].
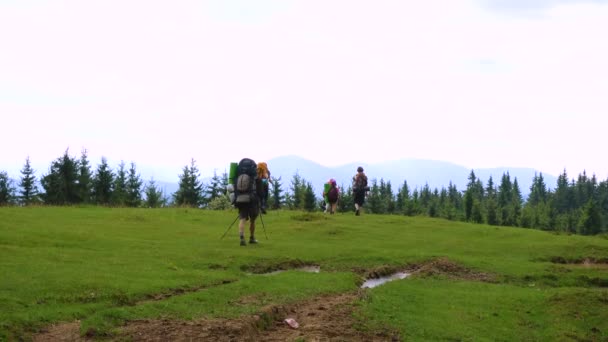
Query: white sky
[(481, 83)]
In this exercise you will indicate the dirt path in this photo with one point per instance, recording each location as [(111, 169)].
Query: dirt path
[(327, 318)]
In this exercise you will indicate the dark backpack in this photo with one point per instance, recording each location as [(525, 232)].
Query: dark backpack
[(332, 195), (245, 181), (360, 183)]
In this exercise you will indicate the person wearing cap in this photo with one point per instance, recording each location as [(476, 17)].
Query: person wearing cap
[(332, 195), (359, 189)]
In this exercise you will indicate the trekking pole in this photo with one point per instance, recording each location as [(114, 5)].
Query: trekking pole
[(230, 226), (261, 219)]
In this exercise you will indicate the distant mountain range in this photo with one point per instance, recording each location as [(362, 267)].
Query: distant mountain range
[(417, 173)]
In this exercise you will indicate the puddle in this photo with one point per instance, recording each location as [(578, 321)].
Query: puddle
[(309, 269), (371, 283)]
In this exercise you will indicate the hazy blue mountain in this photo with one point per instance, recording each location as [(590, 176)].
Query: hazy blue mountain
[(417, 172)]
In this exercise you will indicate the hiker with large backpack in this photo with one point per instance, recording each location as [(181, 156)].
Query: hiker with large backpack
[(331, 194), (360, 189), (246, 199)]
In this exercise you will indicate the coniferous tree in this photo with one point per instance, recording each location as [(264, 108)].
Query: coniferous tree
[(374, 203), (505, 201), (103, 183), (346, 202), (61, 183), (190, 192), (85, 179), (538, 190), (29, 190), (154, 196), (603, 203), (7, 191), (215, 188), (416, 209), (310, 200), (516, 205), (402, 204), (562, 198), (425, 199), (277, 198), (591, 220), (297, 193), (119, 195), (134, 187)]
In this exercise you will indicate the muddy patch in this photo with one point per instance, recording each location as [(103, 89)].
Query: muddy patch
[(274, 267), (586, 262), (326, 318), (59, 333), (449, 269)]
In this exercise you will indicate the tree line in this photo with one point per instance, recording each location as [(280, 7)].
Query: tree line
[(574, 206)]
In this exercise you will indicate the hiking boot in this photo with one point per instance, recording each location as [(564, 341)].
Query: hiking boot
[(253, 241), (243, 242)]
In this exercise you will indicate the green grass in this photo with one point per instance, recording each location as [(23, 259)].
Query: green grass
[(105, 266)]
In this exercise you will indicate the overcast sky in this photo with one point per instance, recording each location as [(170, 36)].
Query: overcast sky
[(480, 83)]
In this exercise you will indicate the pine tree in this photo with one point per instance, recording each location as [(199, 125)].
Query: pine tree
[(85, 179), (154, 196), (103, 183), (7, 191), (277, 198), (61, 183), (29, 190), (134, 184), (190, 191)]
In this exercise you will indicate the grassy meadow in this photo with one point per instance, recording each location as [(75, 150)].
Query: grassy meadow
[(106, 266)]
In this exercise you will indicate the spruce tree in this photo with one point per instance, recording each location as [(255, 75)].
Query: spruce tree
[(154, 196), (190, 191), (346, 202), (297, 193), (134, 187), (310, 200), (119, 195), (374, 201), (103, 183), (61, 183), (85, 179), (7, 191), (277, 197), (591, 220), (215, 188), (29, 190)]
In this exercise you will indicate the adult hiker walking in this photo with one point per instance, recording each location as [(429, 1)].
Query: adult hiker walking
[(247, 199), (331, 195), (359, 189)]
